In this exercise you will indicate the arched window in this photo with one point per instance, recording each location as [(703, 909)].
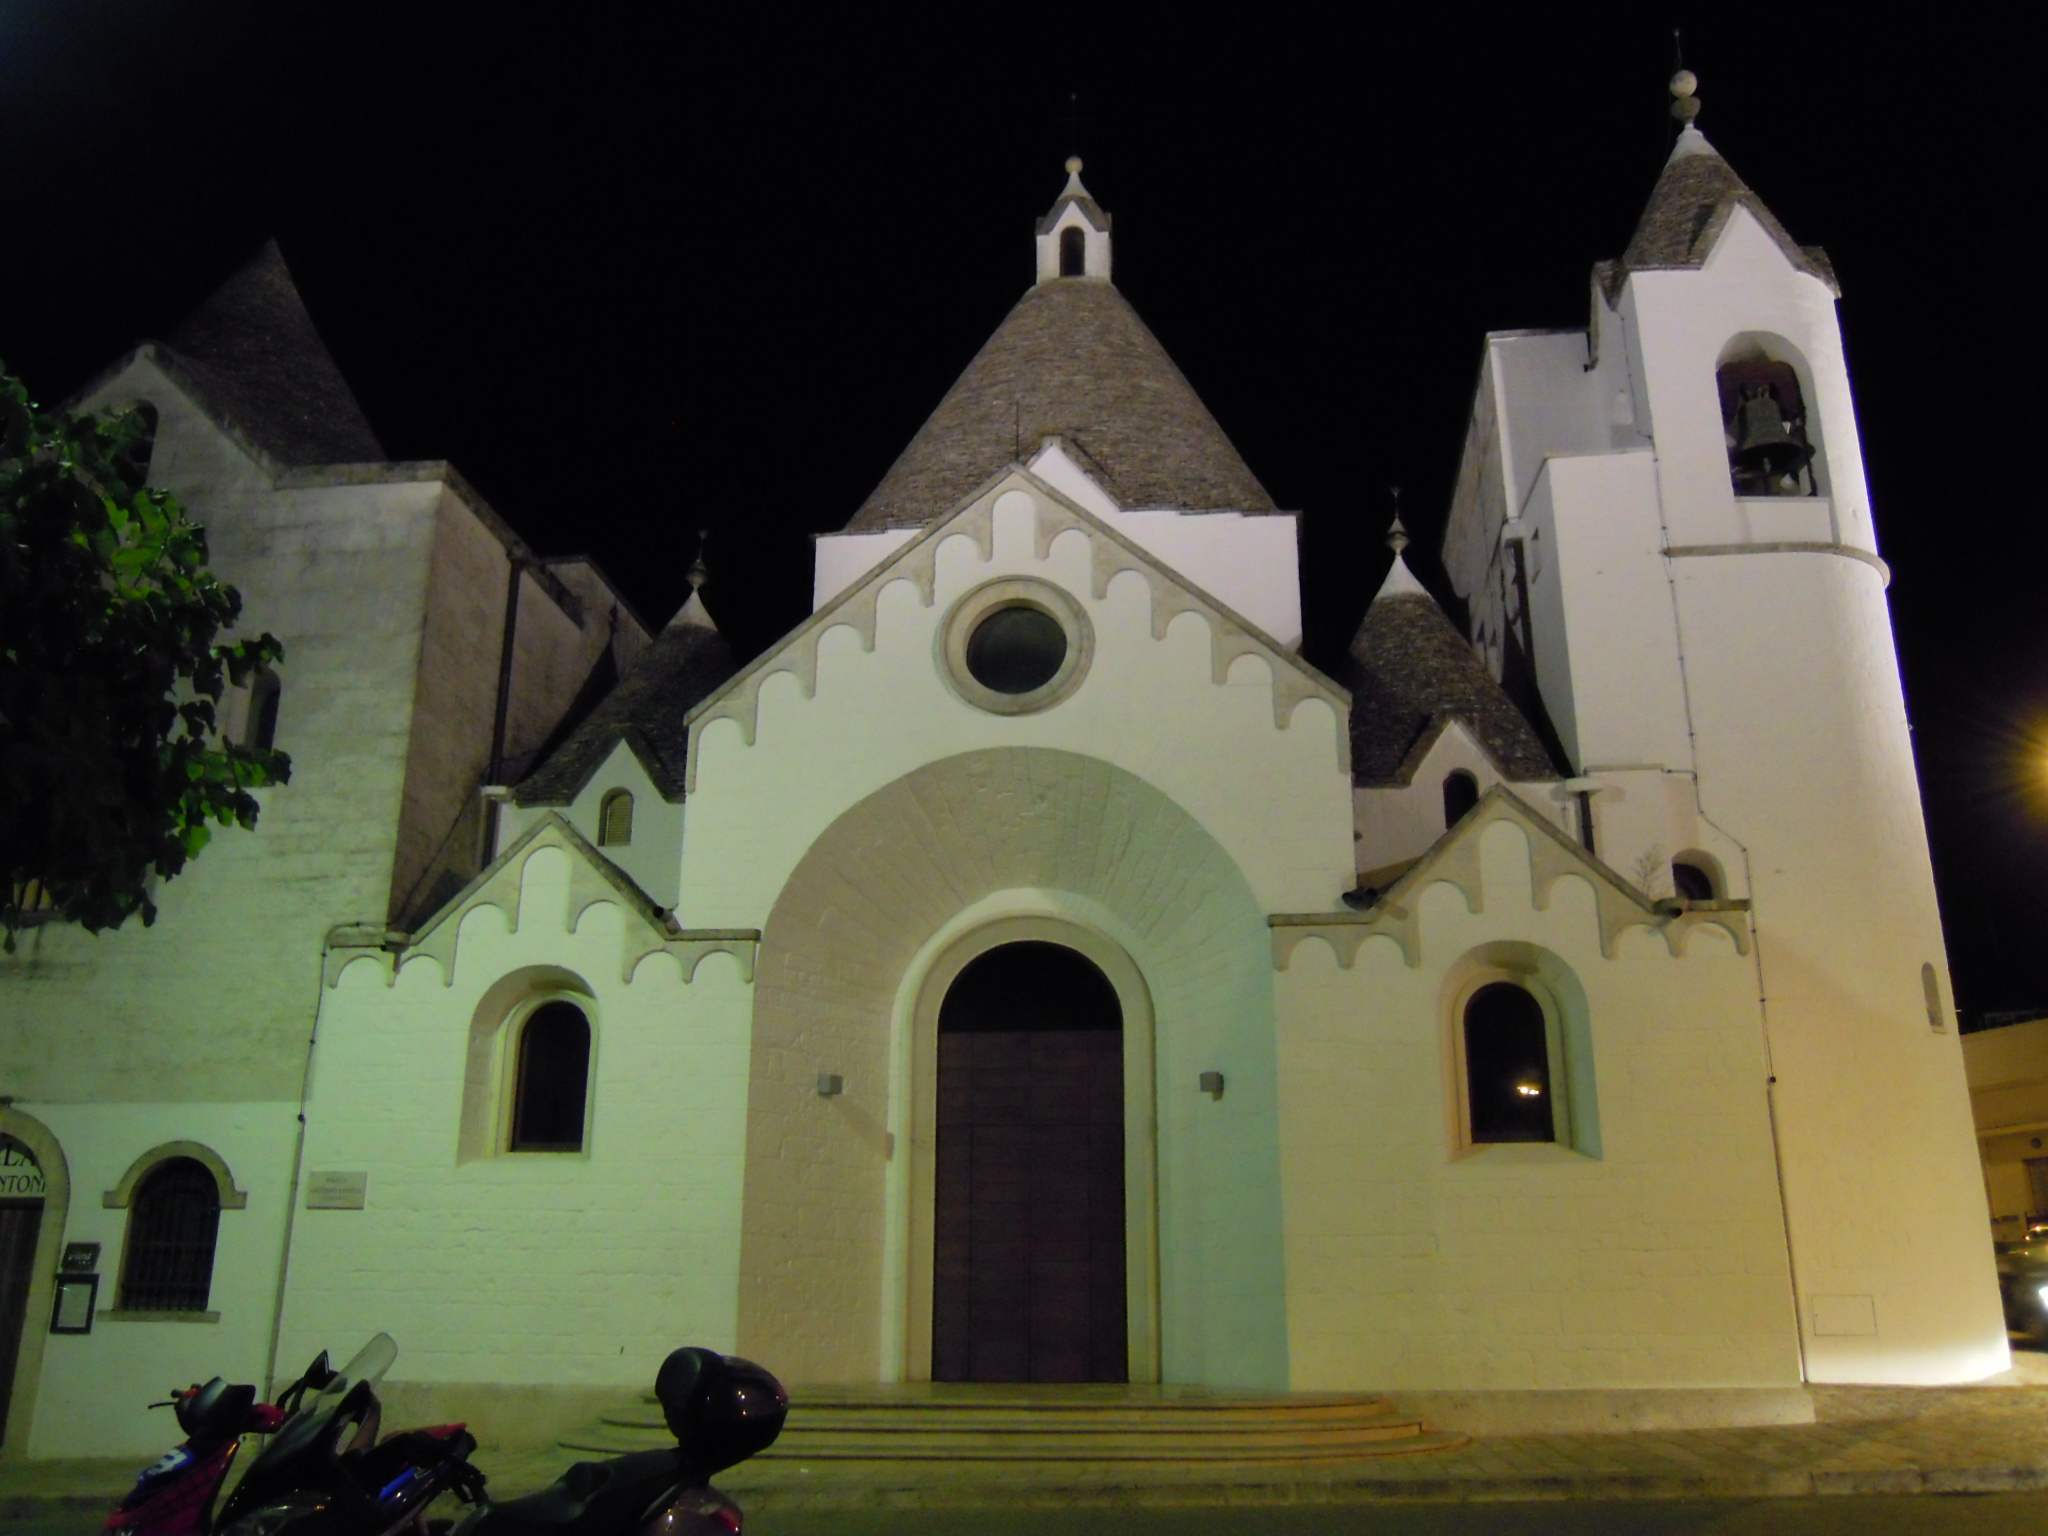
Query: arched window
[(265, 694), (138, 443), (1696, 876), (173, 1221), (1764, 423), (1690, 882), (1073, 252), (615, 819), (1461, 793), (1507, 1066), (551, 1080)]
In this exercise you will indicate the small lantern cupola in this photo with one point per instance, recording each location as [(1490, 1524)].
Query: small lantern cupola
[(1073, 239)]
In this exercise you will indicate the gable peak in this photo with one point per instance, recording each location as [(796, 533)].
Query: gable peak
[(1073, 238)]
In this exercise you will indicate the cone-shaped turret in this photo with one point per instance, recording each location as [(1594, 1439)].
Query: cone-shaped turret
[(1071, 360), (648, 710), (1073, 238), (1410, 670)]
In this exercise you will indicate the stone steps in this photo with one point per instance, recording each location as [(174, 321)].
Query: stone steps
[(948, 1422)]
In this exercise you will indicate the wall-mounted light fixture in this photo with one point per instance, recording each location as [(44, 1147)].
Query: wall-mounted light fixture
[(830, 1085), (1211, 1083)]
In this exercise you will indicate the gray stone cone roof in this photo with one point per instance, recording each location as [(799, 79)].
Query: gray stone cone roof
[(253, 355), (648, 711), (1074, 360), (1409, 671), (1687, 210)]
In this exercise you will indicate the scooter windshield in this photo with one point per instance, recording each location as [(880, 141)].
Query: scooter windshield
[(369, 1365), (302, 1451)]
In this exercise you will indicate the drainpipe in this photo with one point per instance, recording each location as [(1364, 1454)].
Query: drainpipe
[(291, 1200)]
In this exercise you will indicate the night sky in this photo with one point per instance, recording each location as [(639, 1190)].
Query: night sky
[(636, 273)]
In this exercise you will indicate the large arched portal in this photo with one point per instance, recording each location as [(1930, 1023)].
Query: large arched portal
[(1028, 1265), (887, 908)]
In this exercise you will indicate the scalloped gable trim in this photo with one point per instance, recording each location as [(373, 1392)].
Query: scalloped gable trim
[(1232, 635), (1454, 858)]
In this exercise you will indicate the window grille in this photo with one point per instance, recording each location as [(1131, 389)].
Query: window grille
[(172, 1227)]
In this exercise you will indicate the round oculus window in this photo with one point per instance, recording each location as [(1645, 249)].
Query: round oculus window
[(1016, 650), (1016, 645)]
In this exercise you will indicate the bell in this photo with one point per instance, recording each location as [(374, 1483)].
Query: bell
[(1766, 454)]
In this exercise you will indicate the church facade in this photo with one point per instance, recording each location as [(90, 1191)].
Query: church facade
[(1031, 968)]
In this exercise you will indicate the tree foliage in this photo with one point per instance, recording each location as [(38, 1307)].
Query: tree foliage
[(113, 769)]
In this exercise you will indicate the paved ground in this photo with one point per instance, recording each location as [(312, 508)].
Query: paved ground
[(1990, 1439), (2010, 1514)]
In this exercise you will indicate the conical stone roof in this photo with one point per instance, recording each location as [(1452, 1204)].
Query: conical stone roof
[(1688, 209), (1072, 359), (649, 710), (253, 356), (1409, 670)]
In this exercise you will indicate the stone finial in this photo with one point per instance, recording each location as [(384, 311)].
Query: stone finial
[(1073, 165), (699, 572), (1685, 103), (1397, 536)]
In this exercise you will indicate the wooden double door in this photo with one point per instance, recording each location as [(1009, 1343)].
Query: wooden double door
[(1029, 1272)]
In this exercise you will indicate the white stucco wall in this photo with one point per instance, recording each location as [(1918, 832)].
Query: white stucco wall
[(95, 1388), (1403, 821), (1660, 1261), (1158, 802), (554, 1268), (877, 714), (1250, 564), (653, 859)]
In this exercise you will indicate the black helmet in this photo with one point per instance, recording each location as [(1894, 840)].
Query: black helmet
[(720, 1408)]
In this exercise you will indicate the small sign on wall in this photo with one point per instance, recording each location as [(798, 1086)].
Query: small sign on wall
[(330, 1190), (80, 1258), (77, 1296)]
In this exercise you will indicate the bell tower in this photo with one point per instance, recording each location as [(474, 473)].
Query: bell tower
[(1073, 239), (1667, 514)]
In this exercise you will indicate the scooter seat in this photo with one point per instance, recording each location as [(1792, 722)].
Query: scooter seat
[(598, 1495)]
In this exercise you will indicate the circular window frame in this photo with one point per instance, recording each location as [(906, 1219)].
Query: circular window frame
[(1015, 592)]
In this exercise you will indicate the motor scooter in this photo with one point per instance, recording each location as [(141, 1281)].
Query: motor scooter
[(324, 1471), (174, 1495), (721, 1409)]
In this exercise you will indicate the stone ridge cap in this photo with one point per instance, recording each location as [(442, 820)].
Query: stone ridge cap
[(1418, 872), (656, 917), (881, 572)]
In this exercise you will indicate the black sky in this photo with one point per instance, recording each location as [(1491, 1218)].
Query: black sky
[(638, 273)]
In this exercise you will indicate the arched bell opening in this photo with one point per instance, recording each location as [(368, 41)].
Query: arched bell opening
[(1768, 422), (1073, 252)]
